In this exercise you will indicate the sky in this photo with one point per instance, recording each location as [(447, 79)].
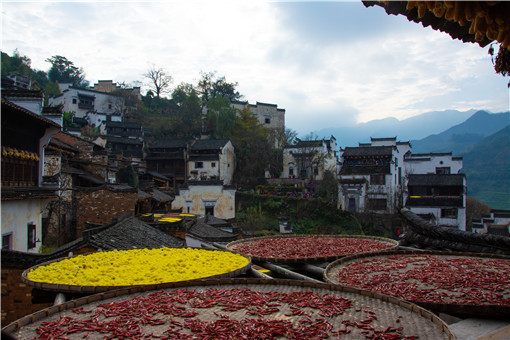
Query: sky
[(328, 64)]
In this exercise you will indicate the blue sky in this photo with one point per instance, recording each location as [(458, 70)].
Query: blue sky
[(329, 64)]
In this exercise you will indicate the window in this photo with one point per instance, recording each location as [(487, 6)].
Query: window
[(377, 204), (213, 164), (267, 119), (74, 101), (7, 241), (291, 169), (378, 179), (199, 165), (443, 171), (109, 106), (31, 236), (449, 213), (209, 207)]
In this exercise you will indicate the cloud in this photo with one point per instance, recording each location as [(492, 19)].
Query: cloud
[(326, 63)]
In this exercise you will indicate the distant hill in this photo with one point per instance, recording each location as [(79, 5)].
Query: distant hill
[(415, 127), (461, 137), (487, 169)]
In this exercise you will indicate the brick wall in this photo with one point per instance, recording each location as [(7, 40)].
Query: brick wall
[(101, 206), (17, 297)]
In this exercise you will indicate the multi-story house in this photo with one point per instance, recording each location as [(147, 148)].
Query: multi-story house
[(24, 195), (202, 170), (436, 190), (169, 157), (268, 115), (94, 106), (309, 159), (211, 159), (371, 176), (126, 139), (383, 176)]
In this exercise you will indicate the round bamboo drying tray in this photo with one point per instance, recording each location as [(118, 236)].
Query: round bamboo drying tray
[(324, 257), (444, 294), (92, 289), (122, 312)]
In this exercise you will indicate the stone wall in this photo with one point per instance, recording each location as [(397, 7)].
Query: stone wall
[(102, 205)]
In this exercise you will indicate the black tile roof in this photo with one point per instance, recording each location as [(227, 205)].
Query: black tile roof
[(130, 125), (209, 144), (365, 169), (161, 196), (207, 232), (11, 108), (123, 140), (367, 151), (436, 201), (436, 180), (171, 143), (132, 233)]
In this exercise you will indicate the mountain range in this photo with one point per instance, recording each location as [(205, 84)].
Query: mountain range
[(413, 128)]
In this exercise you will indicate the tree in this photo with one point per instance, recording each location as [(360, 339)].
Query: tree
[(159, 79), (474, 211), (208, 87), (64, 71), (253, 150), (221, 117)]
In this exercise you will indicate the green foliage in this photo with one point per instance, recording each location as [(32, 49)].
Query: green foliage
[(221, 117), (487, 166), (44, 249), (305, 216), (208, 87), (128, 175), (64, 71), (21, 64)]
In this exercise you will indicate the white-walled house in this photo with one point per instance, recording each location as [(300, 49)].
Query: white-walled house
[(310, 159), (24, 197), (206, 199), (371, 176), (435, 189), (208, 190), (383, 176), (211, 160), (89, 104)]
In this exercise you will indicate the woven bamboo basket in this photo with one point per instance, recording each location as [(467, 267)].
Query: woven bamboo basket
[(453, 301), (79, 289), (389, 243), (384, 313)]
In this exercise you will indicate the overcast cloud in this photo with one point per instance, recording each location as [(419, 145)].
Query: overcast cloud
[(329, 64)]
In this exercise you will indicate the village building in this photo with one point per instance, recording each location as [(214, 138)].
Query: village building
[(168, 157), (94, 106), (208, 189), (496, 223), (268, 115), (436, 191), (24, 195), (310, 159), (384, 176), (211, 160), (371, 176)]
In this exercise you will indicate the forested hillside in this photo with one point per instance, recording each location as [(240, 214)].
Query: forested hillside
[(461, 137), (487, 168)]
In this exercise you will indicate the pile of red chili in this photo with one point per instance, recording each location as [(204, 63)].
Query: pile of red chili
[(432, 278), (175, 315), (308, 246)]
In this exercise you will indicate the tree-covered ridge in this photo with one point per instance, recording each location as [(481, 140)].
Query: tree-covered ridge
[(187, 110)]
